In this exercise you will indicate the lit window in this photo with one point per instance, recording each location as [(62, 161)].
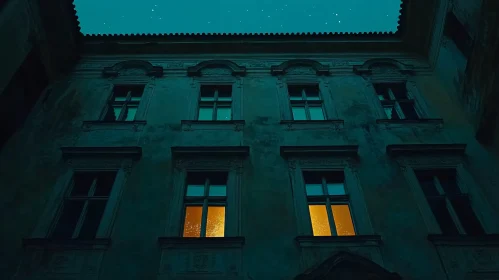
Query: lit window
[(84, 205), (328, 203), (395, 101), (306, 103), (215, 103), (205, 201), (124, 103), (451, 208)]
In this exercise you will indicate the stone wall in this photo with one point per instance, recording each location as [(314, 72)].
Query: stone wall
[(67, 115)]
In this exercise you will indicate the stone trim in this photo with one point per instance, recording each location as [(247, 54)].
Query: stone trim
[(319, 68), (358, 240), (335, 125), (203, 151), (236, 125), (389, 123), (488, 240), (47, 243), (133, 152), (205, 242), (150, 70), (366, 68), (426, 149), (135, 126), (236, 69), (322, 151)]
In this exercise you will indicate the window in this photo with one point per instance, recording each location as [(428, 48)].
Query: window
[(328, 203), (395, 101), (124, 103), (205, 200), (451, 208), (84, 205), (306, 103), (215, 103)]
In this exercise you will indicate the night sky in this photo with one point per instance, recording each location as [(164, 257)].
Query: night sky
[(230, 16)]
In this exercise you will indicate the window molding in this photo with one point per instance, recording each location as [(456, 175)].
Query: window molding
[(216, 76), (235, 69), (326, 158), (385, 70), (413, 157), (130, 67), (118, 159), (304, 72), (226, 158)]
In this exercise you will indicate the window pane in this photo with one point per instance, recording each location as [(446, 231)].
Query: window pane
[(215, 221), (208, 93), (218, 190), (135, 98), (408, 110), (399, 90), (192, 223), (105, 181), (120, 98), (68, 220), (343, 220), (382, 91), (312, 92), (92, 220), (224, 93), (224, 114), (130, 113), (295, 92), (314, 189), (82, 182), (195, 190), (205, 114), (467, 216), (116, 111), (299, 114), (427, 182), (336, 189), (316, 113), (391, 113), (448, 181), (442, 215), (319, 219)]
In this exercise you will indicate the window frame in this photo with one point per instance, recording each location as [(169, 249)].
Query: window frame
[(143, 104), (325, 159), (118, 159), (325, 95), (215, 103), (467, 185), (207, 159), (236, 95), (395, 103)]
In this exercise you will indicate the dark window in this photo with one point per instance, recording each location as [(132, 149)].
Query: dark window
[(204, 204), (215, 103), (84, 206), (124, 103), (455, 30), (395, 101), (445, 198), (306, 103)]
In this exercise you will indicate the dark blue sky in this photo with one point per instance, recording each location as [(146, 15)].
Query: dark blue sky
[(229, 16)]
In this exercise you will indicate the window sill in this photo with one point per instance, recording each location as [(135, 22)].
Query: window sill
[(388, 123), (47, 243), (116, 125), (204, 242), (304, 125), (357, 240), (464, 240), (189, 125)]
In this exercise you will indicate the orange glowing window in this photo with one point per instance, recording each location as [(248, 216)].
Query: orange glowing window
[(328, 203), (205, 199)]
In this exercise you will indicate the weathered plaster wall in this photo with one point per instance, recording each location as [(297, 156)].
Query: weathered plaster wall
[(31, 163)]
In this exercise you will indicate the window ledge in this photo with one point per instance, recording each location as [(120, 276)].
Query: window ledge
[(189, 125), (98, 243), (116, 125), (304, 125), (464, 240), (437, 123), (356, 240), (204, 242)]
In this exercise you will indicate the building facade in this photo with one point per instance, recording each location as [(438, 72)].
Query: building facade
[(284, 157)]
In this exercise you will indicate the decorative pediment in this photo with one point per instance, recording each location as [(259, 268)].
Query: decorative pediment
[(101, 152), (289, 66), (319, 151), (384, 66), (426, 150), (234, 69), (133, 68), (203, 151), (345, 265)]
